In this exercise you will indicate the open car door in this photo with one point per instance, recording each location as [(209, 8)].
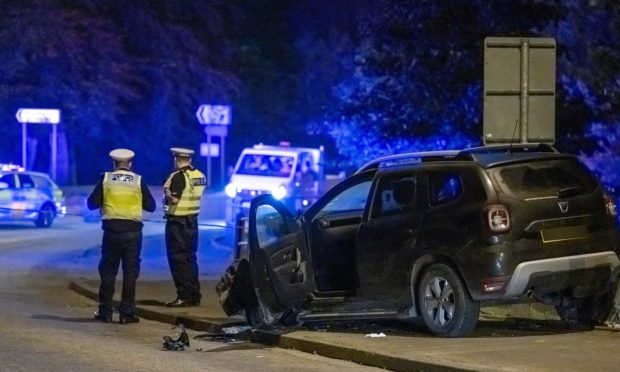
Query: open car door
[(279, 258)]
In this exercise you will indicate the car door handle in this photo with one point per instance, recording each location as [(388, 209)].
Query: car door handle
[(322, 223)]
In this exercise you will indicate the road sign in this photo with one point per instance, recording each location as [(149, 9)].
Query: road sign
[(39, 116), (213, 114), (216, 130), (210, 149), (519, 90), (35, 116)]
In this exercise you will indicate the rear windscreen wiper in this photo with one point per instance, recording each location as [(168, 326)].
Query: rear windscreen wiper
[(569, 192)]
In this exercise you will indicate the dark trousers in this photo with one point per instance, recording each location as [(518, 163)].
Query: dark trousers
[(181, 248), (117, 248)]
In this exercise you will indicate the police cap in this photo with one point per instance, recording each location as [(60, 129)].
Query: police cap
[(122, 154), (182, 152)]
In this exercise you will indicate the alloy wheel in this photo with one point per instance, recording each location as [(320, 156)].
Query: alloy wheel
[(439, 302)]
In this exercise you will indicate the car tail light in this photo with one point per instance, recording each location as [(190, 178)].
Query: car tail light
[(498, 218), (494, 284), (610, 206)]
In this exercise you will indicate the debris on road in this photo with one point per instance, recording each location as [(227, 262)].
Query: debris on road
[(376, 335), (229, 335), (179, 344), (235, 330)]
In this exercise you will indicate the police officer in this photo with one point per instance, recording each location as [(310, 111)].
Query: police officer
[(182, 191), (121, 196)]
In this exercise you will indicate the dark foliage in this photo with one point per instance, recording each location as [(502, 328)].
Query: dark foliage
[(365, 78)]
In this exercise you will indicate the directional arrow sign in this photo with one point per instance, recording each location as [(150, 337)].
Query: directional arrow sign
[(30, 115), (213, 114)]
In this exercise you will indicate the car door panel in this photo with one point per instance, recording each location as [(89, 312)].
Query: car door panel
[(7, 196), (279, 260), (385, 249), (386, 242), (334, 221), (333, 240)]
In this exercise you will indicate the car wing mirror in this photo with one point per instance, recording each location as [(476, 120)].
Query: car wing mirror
[(4, 185)]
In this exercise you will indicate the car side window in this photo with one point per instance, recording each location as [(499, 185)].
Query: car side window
[(25, 181), (9, 179), (396, 195), (41, 182), (444, 187), (350, 199), (270, 225)]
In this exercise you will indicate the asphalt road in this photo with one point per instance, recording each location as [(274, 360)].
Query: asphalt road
[(44, 326)]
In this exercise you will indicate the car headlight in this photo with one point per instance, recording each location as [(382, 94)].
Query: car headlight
[(279, 193), (231, 190)]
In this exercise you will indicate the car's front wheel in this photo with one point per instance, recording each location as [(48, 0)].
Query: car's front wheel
[(447, 308), (45, 217)]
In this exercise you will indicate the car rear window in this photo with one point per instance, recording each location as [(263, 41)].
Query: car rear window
[(543, 178), (444, 187)]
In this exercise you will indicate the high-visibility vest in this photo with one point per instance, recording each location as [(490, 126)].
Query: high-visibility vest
[(122, 196), (189, 202)]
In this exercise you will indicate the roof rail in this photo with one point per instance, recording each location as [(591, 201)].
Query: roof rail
[(508, 148), (412, 157), (495, 153)]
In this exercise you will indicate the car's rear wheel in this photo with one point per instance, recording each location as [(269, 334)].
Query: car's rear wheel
[(46, 216), (447, 308)]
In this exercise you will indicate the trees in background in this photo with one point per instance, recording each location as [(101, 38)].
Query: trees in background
[(365, 78), (411, 78), (124, 74), (588, 38)]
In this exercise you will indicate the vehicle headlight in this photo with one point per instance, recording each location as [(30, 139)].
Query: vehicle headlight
[(231, 190), (279, 193)]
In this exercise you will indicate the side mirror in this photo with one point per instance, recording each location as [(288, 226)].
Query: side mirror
[(4, 185)]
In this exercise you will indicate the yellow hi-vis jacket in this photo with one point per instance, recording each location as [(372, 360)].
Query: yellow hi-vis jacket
[(122, 196), (189, 202)]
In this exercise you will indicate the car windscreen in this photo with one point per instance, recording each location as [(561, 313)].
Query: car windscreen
[(266, 165), (543, 179)]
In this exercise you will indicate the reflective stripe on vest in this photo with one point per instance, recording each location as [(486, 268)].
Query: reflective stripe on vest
[(122, 196), (189, 202)]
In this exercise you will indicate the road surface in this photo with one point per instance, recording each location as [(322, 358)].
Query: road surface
[(46, 327)]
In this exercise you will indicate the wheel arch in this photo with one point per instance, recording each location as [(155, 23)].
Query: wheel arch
[(418, 267), (46, 203)]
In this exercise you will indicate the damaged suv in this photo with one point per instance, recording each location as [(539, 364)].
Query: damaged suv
[(434, 236)]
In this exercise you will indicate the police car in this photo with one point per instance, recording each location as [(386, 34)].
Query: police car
[(29, 196)]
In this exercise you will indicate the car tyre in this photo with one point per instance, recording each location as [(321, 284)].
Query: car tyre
[(446, 306), (45, 217)]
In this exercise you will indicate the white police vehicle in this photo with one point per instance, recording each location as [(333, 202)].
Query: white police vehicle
[(29, 196), (276, 170)]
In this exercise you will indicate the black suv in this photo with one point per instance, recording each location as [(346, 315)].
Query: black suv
[(434, 235)]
